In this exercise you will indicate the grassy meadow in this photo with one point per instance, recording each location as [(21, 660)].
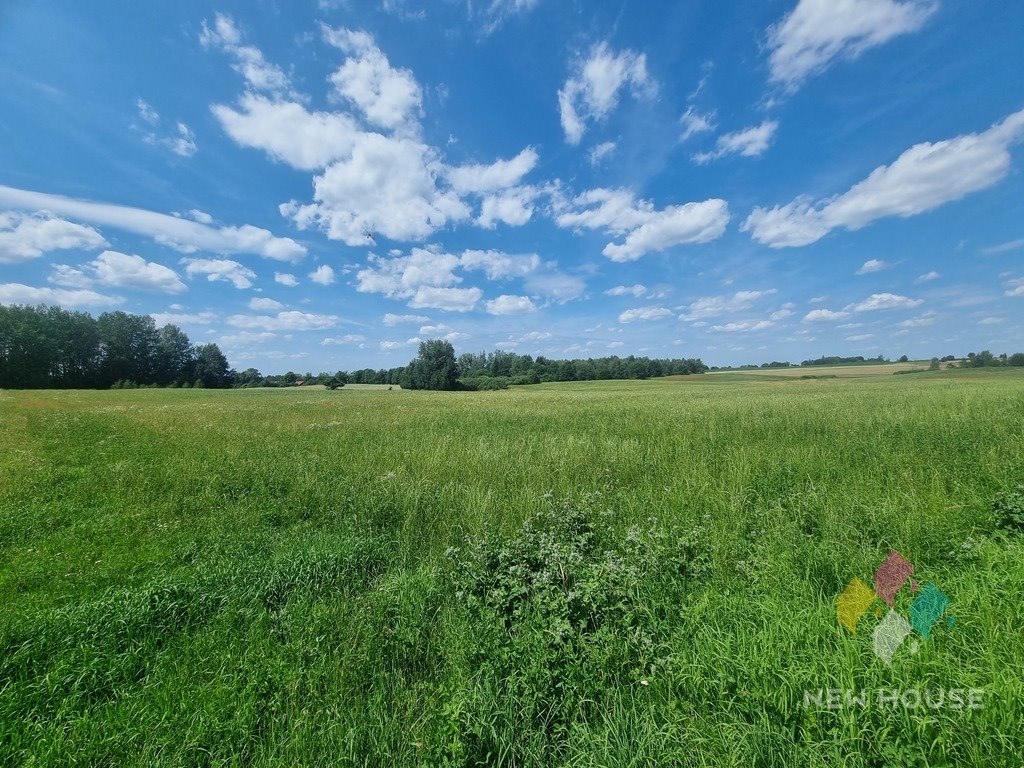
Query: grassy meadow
[(593, 574)]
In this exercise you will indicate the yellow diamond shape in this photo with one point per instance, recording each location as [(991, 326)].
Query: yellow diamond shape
[(853, 602)]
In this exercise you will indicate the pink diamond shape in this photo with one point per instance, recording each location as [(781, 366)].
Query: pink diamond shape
[(892, 575)]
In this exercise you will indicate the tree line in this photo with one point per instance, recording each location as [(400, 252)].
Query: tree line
[(52, 348)]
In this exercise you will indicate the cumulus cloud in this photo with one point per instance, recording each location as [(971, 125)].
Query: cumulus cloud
[(285, 279), (322, 275), (872, 265), (592, 92), (497, 265), (393, 320), (29, 236), (601, 152), (264, 305), (289, 132), (750, 142), (348, 338), (221, 269), (713, 306), (644, 313), (1015, 287), (878, 301), (744, 326), (817, 32), (248, 60), (183, 318), (120, 270), (646, 229), (824, 315), (388, 186), (510, 305), (923, 178), (501, 174), (446, 299), (17, 293), (181, 234), (927, 277), (637, 291), (291, 320), (386, 97)]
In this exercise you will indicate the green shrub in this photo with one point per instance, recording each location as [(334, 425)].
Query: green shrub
[(1009, 510)]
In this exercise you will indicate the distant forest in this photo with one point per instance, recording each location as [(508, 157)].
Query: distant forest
[(52, 348)]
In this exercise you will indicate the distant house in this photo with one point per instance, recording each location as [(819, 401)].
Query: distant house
[(299, 382)]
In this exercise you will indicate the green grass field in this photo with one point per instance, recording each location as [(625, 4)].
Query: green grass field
[(594, 574)]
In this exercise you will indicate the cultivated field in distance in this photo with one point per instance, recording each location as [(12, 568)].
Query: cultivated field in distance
[(590, 574)]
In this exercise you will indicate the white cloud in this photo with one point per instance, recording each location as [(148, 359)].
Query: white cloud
[(554, 285), (264, 305), (885, 301), (283, 278), (991, 321), (824, 315), (750, 142), (387, 346), (496, 12), (860, 337), (249, 62), (498, 266), (25, 236), (291, 320), (322, 275), (221, 269), (872, 265), (387, 186), (288, 132), (399, 277), (121, 270), (180, 234), (593, 90), (923, 178), (181, 142), (512, 206), (617, 211), (638, 291), (17, 293), (388, 98), (1011, 245), (816, 32), (510, 305), (741, 327), (694, 122), (392, 320), (501, 174), (348, 338), (927, 277), (1015, 287), (601, 152), (924, 319), (201, 216), (446, 299), (247, 337), (713, 306), (179, 318), (644, 313)]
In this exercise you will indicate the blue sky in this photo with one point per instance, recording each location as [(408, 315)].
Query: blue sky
[(319, 185)]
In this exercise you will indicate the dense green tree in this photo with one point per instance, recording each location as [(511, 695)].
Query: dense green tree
[(212, 367), (434, 367)]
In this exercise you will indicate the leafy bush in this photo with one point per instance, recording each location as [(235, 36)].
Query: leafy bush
[(1009, 509), (561, 614)]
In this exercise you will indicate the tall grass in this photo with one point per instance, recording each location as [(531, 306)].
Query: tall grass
[(600, 574)]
